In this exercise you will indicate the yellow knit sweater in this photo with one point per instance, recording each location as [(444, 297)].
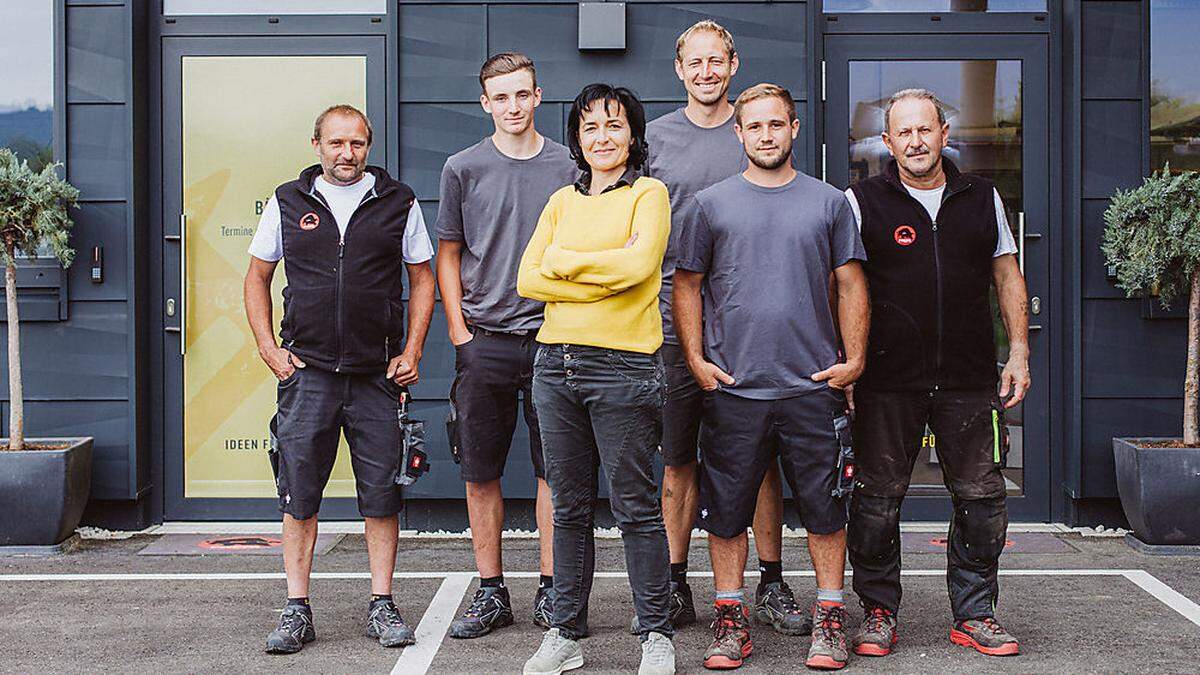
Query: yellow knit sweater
[(597, 291)]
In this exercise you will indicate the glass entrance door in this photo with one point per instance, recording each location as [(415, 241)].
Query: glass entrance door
[(994, 95), (237, 122)]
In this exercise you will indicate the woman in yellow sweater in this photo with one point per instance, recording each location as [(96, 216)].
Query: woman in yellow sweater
[(595, 259)]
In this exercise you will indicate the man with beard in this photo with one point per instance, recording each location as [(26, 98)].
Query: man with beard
[(691, 149), (937, 240), (764, 245)]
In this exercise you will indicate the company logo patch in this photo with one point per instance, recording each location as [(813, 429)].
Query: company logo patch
[(905, 235), (310, 221)]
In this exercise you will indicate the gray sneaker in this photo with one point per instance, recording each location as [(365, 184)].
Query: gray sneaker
[(829, 650), (658, 655), (386, 624), (295, 629), (775, 606), (985, 635), (555, 655), (877, 634)]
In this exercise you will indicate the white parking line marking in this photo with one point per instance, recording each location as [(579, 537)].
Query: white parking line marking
[(251, 576), (1167, 595), (432, 629)]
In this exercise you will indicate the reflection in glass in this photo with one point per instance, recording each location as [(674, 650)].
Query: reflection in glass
[(1174, 85), (981, 100), (27, 80), (848, 6)]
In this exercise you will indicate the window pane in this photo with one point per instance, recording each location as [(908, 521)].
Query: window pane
[(1174, 85), (27, 77), (848, 6), (206, 7)]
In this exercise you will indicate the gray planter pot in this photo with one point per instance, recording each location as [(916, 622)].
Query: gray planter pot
[(43, 492), (1160, 491)]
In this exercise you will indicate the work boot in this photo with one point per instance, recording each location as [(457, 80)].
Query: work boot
[(658, 655), (774, 605), (543, 603), (491, 608), (986, 636), (680, 612), (877, 634), (295, 629), (556, 654), (828, 650), (731, 637), (385, 624)]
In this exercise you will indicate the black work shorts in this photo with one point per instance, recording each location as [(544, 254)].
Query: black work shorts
[(315, 406), (740, 438), (972, 440), (490, 371), (682, 411)]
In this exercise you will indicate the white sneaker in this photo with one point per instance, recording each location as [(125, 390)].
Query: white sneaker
[(558, 654), (658, 655)]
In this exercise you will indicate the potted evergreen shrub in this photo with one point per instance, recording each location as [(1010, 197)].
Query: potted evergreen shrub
[(44, 482), (1152, 240)]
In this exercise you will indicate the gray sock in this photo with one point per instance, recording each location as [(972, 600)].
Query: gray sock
[(831, 595), (730, 595)]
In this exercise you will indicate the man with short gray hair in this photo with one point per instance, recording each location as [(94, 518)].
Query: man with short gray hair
[(936, 241)]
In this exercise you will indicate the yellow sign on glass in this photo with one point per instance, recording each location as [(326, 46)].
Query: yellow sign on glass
[(246, 130)]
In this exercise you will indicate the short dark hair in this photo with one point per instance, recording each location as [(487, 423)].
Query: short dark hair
[(634, 112), (765, 90), (345, 110), (503, 64)]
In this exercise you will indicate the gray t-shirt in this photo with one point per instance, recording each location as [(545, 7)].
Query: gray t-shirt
[(491, 203), (767, 254), (688, 158)]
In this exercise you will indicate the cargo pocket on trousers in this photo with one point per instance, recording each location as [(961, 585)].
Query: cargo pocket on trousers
[(999, 436), (276, 459), (844, 485)]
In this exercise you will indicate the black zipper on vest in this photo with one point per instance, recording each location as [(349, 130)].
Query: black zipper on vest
[(338, 289), (937, 268)]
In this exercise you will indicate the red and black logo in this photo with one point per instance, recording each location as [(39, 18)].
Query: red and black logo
[(905, 235), (310, 221)]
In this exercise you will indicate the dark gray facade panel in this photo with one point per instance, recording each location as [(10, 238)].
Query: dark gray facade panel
[(431, 132), (437, 368), (1105, 419), (98, 150), (771, 40), (1095, 280), (1111, 50), (79, 359), (107, 422), (1126, 356), (1112, 146), (100, 224), (97, 64), (441, 49)]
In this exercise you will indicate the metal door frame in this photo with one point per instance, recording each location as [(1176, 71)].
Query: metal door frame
[(1033, 52), (373, 47)]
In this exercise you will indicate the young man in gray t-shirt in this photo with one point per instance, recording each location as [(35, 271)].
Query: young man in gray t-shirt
[(491, 196), (691, 149), (764, 245)]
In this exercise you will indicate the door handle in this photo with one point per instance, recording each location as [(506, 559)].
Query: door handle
[(1022, 237), (182, 311)]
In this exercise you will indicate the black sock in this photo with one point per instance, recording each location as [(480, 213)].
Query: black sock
[(771, 570), (301, 602), (546, 581), (375, 597), (492, 582), (679, 572)]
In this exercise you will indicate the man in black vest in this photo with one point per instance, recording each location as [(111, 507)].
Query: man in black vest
[(936, 240), (347, 354)]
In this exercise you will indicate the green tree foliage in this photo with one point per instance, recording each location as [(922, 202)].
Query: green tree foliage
[(1152, 235), (34, 210)]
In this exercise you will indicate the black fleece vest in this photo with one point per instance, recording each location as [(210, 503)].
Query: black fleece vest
[(342, 307), (931, 318)]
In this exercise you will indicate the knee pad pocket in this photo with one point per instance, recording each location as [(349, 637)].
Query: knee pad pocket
[(982, 526), (874, 527)]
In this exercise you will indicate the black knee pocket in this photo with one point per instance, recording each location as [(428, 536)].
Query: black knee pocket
[(874, 524), (983, 526)]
